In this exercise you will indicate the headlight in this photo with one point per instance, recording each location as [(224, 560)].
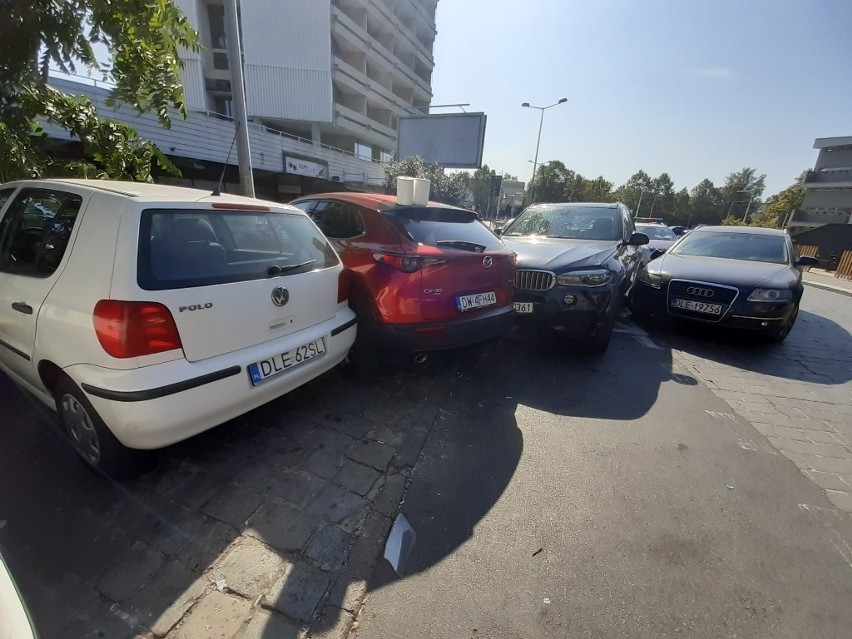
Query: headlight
[(651, 279), (770, 295), (598, 277)]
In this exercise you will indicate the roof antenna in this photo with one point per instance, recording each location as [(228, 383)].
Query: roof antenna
[(218, 190)]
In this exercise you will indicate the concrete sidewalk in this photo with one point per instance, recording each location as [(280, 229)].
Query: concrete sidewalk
[(819, 278)]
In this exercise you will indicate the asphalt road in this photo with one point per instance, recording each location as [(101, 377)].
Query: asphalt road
[(624, 497)]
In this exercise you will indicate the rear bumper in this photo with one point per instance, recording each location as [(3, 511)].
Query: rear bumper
[(404, 339), (159, 405)]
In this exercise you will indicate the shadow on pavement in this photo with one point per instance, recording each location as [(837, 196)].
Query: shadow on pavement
[(817, 350)]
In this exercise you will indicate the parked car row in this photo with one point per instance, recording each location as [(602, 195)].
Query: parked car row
[(146, 314)]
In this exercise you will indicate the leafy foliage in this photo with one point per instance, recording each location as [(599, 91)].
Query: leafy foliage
[(449, 189), (778, 207), (143, 37)]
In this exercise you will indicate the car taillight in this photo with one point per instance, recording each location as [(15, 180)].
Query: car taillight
[(133, 329), (405, 263), (343, 286)]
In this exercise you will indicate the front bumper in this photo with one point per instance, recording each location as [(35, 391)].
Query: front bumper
[(404, 339), (580, 319), (159, 405), (740, 314)]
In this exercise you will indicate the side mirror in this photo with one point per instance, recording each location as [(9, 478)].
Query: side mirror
[(806, 260), (657, 253), (498, 230), (638, 239)]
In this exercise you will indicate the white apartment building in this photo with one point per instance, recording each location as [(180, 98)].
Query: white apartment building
[(828, 188), (336, 72)]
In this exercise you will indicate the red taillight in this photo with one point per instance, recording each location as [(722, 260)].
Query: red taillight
[(343, 286), (405, 263), (133, 329)]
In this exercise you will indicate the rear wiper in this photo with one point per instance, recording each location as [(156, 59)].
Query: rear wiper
[(275, 269), (463, 245)]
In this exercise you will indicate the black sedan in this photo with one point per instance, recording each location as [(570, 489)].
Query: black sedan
[(576, 262), (739, 277)]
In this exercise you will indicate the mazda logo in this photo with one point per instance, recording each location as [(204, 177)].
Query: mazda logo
[(487, 261), (699, 292), (280, 296)]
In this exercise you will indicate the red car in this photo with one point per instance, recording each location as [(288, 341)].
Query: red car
[(422, 277)]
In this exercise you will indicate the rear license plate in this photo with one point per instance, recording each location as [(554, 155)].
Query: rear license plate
[(697, 307), (523, 307), (266, 368), (468, 302)]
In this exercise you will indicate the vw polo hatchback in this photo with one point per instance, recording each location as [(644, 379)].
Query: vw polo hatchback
[(146, 314), (424, 277)]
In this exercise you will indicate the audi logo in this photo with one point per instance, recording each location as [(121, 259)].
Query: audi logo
[(700, 292), (487, 261)]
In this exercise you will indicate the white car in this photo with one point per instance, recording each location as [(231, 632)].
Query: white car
[(146, 314)]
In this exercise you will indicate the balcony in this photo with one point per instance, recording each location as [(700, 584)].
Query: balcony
[(834, 178)]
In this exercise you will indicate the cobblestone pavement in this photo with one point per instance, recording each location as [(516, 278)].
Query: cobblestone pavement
[(266, 526), (798, 395)]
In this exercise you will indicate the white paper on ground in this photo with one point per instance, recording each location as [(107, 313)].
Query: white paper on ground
[(399, 544)]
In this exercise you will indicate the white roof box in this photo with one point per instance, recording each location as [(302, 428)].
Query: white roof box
[(412, 191)]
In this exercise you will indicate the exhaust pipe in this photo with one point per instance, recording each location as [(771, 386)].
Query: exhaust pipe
[(420, 358)]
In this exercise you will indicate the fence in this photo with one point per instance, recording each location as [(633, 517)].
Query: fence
[(844, 266), (806, 250)]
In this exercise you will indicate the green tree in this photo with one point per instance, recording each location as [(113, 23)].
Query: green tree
[(143, 37), (449, 189), (778, 207), (550, 182), (705, 204), (742, 188), (635, 190), (680, 209)]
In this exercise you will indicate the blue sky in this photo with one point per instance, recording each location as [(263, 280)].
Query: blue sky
[(696, 89)]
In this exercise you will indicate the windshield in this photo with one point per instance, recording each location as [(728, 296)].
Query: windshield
[(571, 222), (656, 232), (735, 246)]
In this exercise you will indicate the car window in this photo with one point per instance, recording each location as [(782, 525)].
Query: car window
[(5, 194), (338, 220), (444, 227), (572, 222), (188, 248), (735, 246), (304, 206), (626, 225), (35, 230)]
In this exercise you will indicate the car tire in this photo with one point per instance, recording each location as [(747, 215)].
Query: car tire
[(90, 438), (780, 333), (599, 342)]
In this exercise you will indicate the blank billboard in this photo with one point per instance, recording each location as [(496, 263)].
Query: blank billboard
[(453, 140)]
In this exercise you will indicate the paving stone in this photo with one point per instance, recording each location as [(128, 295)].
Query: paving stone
[(843, 500), (830, 481), (810, 448), (207, 540), (823, 464), (332, 623), (168, 595), (344, 423), (389, 434), (334, 504), (298, 592), (329, 547), (123, 579), (408, 454), (389, 498), (233, 505), (331, 440), (270, 625), (382, 412), (822, 437), (372, 454), (249, 568), (324, 464), (297, 487), (282, 526), (215, 616), (356, 477)]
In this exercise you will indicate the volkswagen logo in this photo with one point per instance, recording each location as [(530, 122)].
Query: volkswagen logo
[(280, 296), (699, 292), (487, 261)]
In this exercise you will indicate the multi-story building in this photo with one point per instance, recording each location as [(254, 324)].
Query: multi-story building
[(336, 72), (828, 188)]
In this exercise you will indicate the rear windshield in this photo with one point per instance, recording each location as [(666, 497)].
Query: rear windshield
[(735, 246), (567, 221), (444, 228), (188, 248)]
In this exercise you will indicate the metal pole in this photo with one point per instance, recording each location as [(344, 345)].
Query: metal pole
[(535, 161), (653, 202), (238, 95), (751, 199), (639, 207)]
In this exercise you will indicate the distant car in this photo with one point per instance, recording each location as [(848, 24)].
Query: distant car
[(660, 237), (145, 314), (679, 230), (576, 262), (740, 277), (423, 278)]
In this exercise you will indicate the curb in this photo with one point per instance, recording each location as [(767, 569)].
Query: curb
[(828, 287)]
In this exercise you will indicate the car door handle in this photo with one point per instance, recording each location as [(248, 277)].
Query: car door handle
[(22, 307)]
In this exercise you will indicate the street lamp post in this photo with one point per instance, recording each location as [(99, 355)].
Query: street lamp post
[(538, 142)]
